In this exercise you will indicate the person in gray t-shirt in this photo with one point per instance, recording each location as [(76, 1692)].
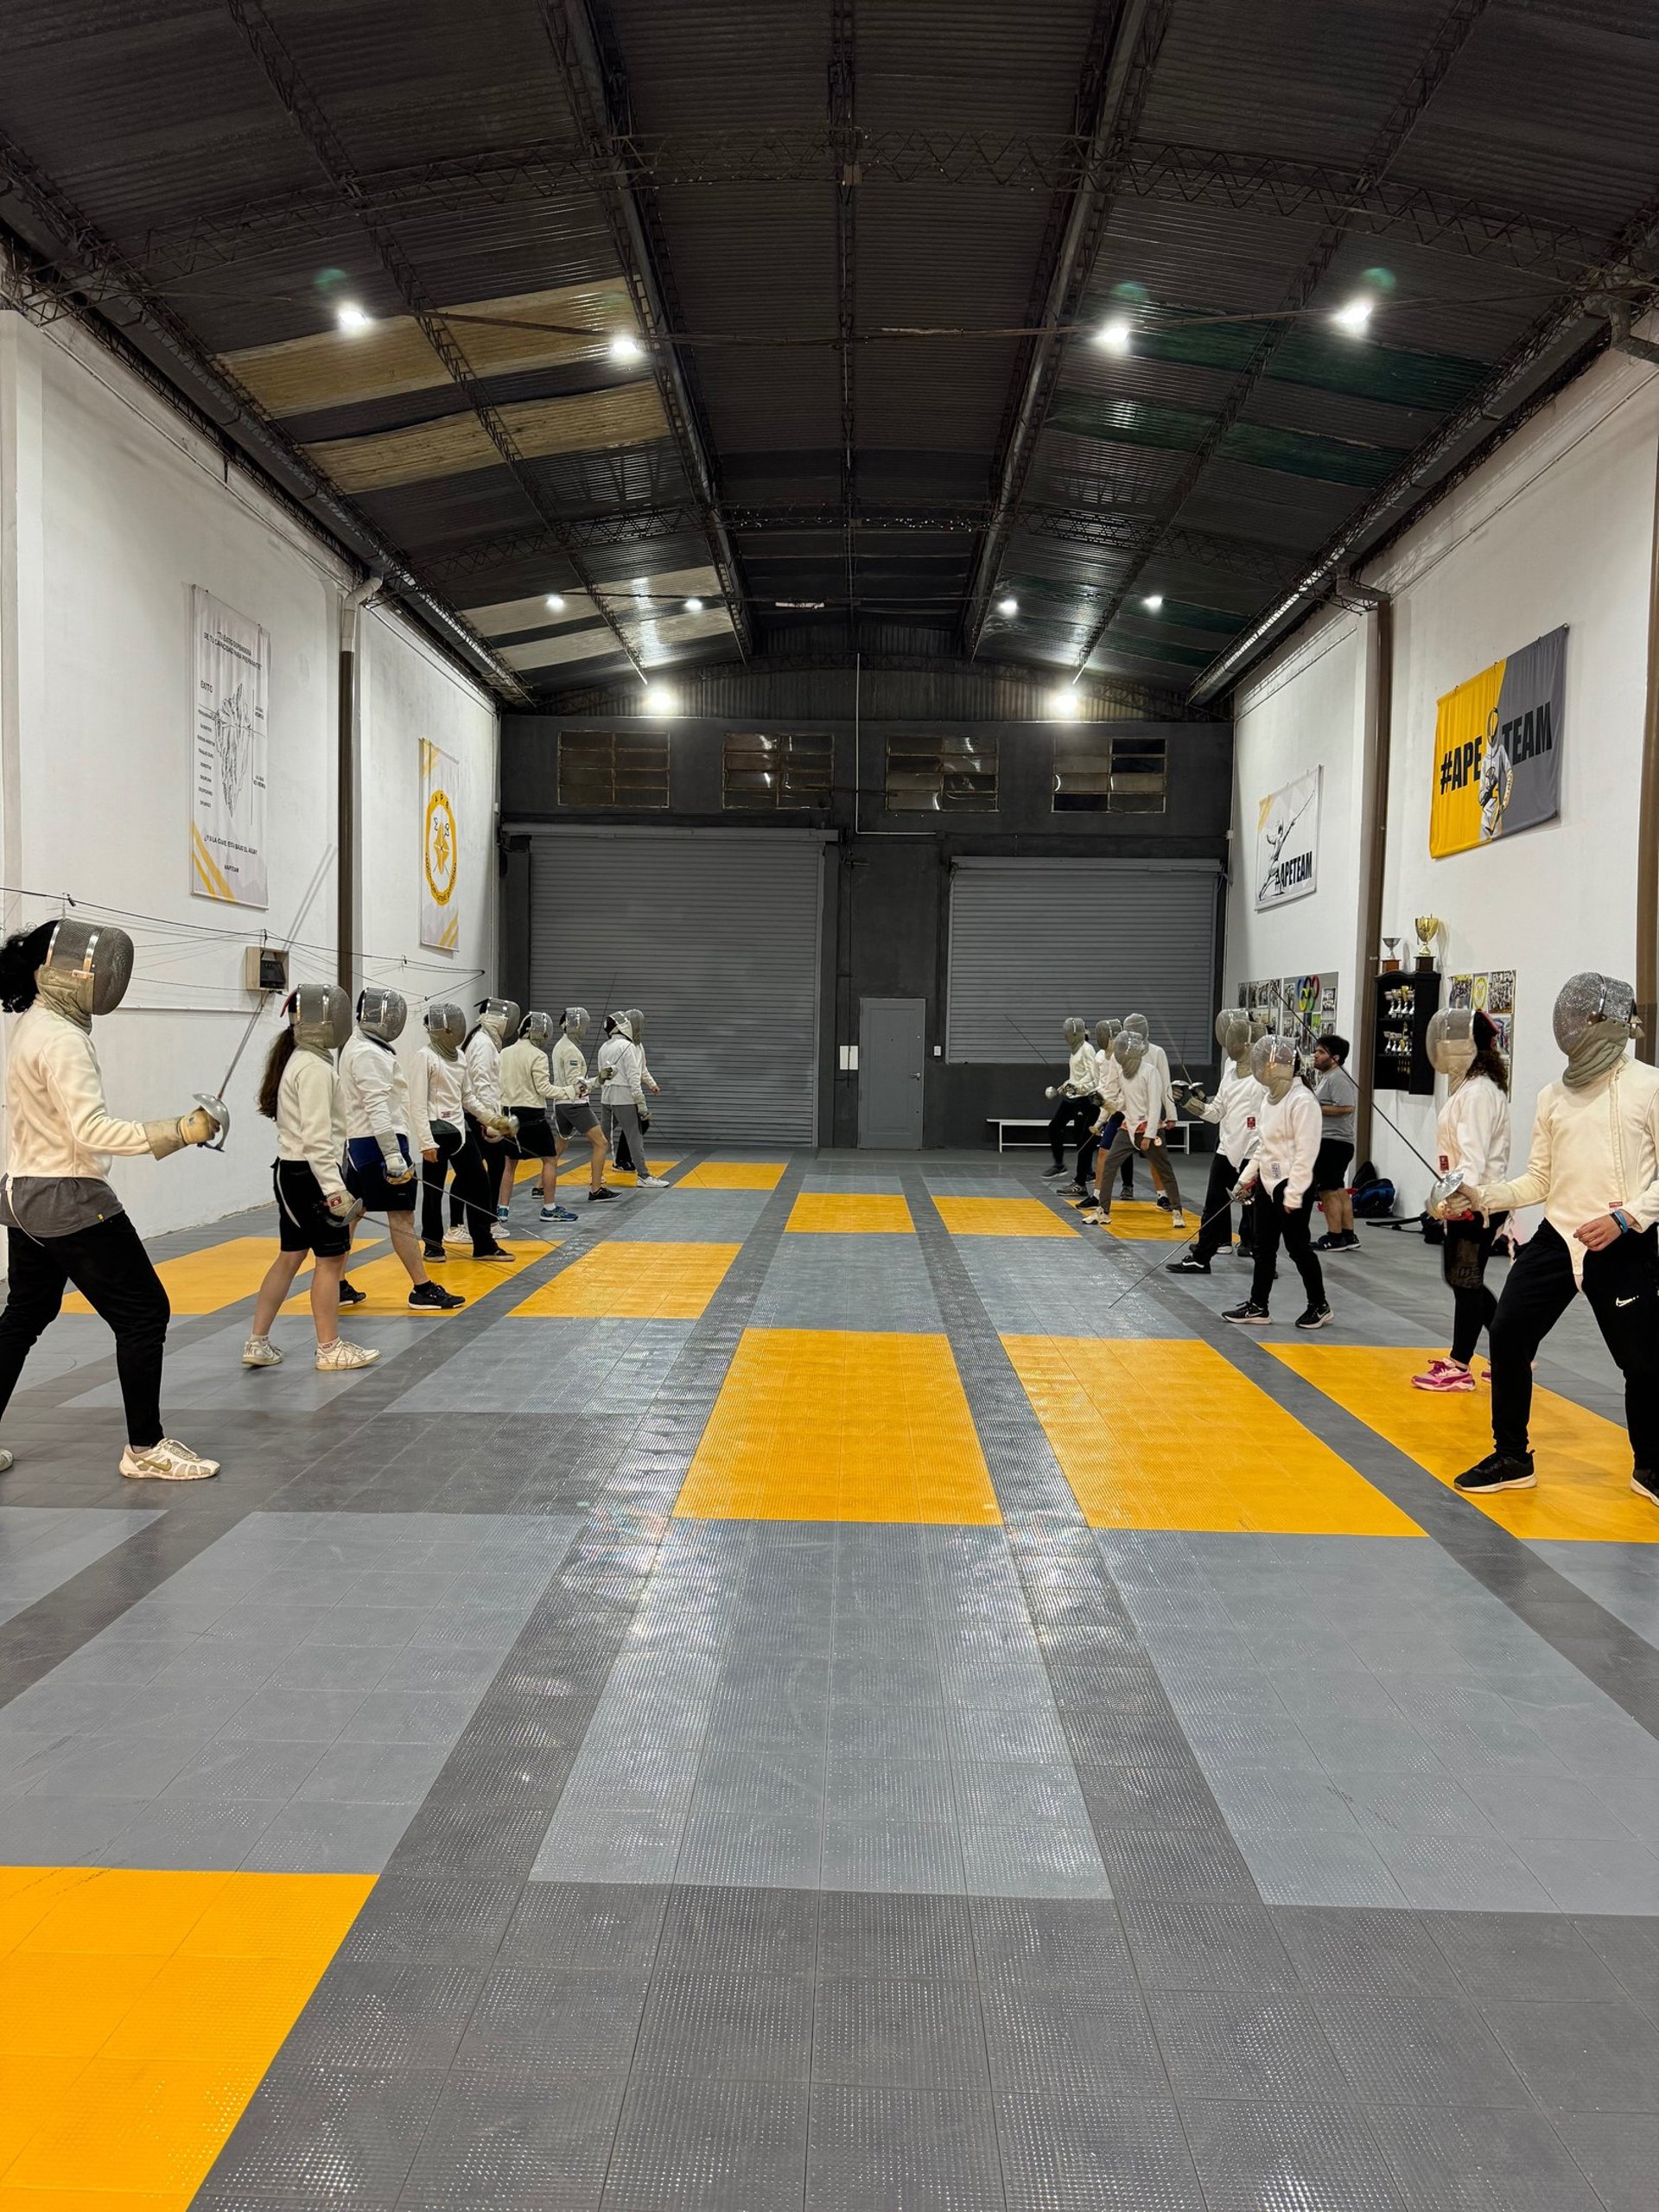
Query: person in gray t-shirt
[(1338, 1094)]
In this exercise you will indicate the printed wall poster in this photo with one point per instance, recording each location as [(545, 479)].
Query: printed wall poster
[(1288, 842), (1497, 750), (439, 849), (227, 818)]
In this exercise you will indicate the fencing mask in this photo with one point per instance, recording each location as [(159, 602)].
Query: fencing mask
[(1139, 1021), (574, 1021), (1276, 1063), (87, 967), (1106, 1035), (637, 1023), (381, 1014), (1130, 1049), (445, 1028), (1595, 1020), (498, 1019), (1236, 1033), (319, 1014), (618, 1026), (1451, 1043), (537, 1028), (1073, 1031)]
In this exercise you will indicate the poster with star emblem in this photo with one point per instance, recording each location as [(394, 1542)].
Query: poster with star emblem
[(227, 798), (439, 850)]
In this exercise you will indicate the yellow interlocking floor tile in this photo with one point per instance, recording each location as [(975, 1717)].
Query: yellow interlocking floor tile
[(1584, 1461), (838, 1424), (1149, 1434), (623, 1178), (1138, 1221), (1001, 1217), (734, 1175), (649, 1282), (838, 1213), (202, 1282), (138, 2013), (386, 1286)]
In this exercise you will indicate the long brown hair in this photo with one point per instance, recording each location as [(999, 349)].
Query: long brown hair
[(281, 1052)]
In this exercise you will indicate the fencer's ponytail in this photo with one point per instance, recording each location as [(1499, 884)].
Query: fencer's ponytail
[(281, 1052), (20, 956)]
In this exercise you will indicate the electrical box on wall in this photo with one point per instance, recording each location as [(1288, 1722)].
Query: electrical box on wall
[(265, 968)]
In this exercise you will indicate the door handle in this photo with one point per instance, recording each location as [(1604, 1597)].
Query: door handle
[(916, 1077)]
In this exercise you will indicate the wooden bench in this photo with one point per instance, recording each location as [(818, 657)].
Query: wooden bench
[(1179, 1139)]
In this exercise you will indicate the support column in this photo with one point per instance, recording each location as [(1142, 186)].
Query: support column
[(1647, 827), (1378, 649)]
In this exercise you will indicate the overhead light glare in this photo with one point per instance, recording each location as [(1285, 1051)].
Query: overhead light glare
[(1063, 704), (624, 346), (351, 317), (1355, 317), (1116, 336), (1009, 606), (659, 699), (694, 607), (1153, 601), (556, 602)]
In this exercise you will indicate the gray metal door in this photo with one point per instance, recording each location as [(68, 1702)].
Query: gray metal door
[(891, 1063), (715, 935)]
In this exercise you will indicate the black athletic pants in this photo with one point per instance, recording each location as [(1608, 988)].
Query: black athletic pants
[(1622, 1285), (1218, 1230), (433, 1175), (1071, 1119), (477, 1185), (109, 1266), (1089, 1146), (1271, 1223), (1463, 1262)]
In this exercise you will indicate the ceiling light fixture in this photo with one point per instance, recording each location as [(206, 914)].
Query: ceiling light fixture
[(1355, 318), (659, 700), (1010, 606), (694, 607), (1064, 704), (556, 602), (1116, 336), (1153, 601), (351, 317), (624, 346)]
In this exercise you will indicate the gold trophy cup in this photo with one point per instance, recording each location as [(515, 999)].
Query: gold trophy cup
[(1430, 929)]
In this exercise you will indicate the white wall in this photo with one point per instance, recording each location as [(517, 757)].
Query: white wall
[(111, 510), (1556, 528)]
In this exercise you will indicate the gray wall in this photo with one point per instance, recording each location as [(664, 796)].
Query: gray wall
[(887, 876)]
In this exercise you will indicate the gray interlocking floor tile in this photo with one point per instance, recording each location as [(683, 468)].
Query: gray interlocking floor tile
[(605, 1371), (928, 2149), (43, 1547), (1253, 2155), (1066, 2146), (828, 1281), (705, 2145)]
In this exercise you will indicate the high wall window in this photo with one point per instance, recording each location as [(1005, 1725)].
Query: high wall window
[(613, 768), (1098, 772), (941, 775), (765, 774)]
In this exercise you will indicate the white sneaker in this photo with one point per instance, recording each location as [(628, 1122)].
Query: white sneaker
[(170, 1461), (1177, 1219), (333, 1359), (259, 1352), (650, 1182), (458, 1235), (7, 1462)]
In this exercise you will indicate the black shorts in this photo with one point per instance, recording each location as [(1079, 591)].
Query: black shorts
[(573, 1120), (535, 1134), (365, 1178), (304, 1222), (1331, 1168)]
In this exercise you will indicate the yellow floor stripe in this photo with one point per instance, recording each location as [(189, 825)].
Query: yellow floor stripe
[(1584, 1462), (138, 2013), (839, 1425), (1000, 1218), (1152, 1434), (734, 1175), (650, 1282), (623, 1178), (202, 1282), (1138, 1221), (837, 1213), (387, 1286)]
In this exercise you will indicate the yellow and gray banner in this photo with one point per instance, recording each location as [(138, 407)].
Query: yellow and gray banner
[(1497, 751)]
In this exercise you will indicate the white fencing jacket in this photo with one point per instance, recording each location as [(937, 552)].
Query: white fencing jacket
[(1143, 1098), (1592, 1151), (57, 1123), (374, 1092), (1472, 1131), (569, 1066), (435, 1094), (310, 1125), (1287, 1144), (1235, 1110), (526, 1078), (621, 1065), (482, 1088), (1083, 1075)]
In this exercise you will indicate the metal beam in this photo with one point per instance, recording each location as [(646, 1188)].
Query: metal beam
[(1116, 76), (591, 71), (843, 139), (1450, 34), (59, 251), (283, 73)]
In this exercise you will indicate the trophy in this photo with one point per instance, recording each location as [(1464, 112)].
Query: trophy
[(1391, 965), (1430, 929)]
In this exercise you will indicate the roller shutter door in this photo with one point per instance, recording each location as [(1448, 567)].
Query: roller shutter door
[(1034, 941), (715, 936)]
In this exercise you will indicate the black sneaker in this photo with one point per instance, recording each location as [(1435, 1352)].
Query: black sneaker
[(1497, 1471), (351, 1295), (434, 1293), (1317, 1317), (1350, 1240), (603, 1191), (1163, 1201), (1052, 1174), (434, 1255), (1075, 1191), (1645, 1484), (1257, 1316), (1188, 1266), (1329, 1242)]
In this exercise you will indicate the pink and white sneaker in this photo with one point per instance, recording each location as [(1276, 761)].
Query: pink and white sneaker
[(1443, 1374)]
